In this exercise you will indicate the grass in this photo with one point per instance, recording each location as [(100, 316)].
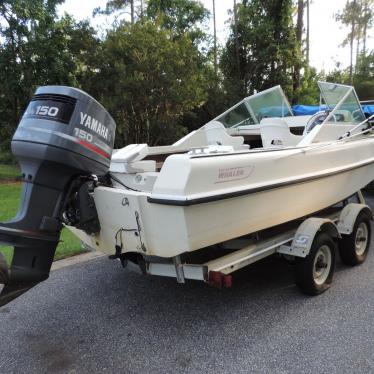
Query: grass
[(9, 172), (9, 202)]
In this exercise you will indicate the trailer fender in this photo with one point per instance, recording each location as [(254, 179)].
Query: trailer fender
[(349, 215), (304, 236)]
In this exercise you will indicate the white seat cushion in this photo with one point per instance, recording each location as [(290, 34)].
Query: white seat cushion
[(275, 133)]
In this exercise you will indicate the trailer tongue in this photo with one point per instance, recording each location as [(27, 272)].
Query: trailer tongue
[(65, 139)]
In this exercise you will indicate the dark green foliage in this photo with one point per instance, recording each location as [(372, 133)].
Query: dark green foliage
[(150, 74), (154, 69), (309, 92), (37, 50), (148, 81), (180, 16), (264, 51), (363, 77)]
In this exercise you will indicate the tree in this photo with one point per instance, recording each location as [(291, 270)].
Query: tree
[(363, 78), (182, 19), (19, 22), (236, 39), (267, 48), (179, 16), (299, 39), (119, 7), (37, 49), (307, 31), (215, 40), (358, 15), (300, 21), (367, 21), (148, 80)]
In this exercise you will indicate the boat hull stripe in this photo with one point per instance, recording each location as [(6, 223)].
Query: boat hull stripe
[(248, 191)]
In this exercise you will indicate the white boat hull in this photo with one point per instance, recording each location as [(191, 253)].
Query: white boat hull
[(236, 194)]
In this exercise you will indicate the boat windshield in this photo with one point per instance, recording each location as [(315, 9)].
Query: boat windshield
[(343, 103), (251, 110)]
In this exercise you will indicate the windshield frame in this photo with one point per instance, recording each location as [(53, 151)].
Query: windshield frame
[(334, 108), (252, 117)]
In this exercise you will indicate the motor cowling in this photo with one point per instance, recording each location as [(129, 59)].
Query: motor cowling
[(63, 141)]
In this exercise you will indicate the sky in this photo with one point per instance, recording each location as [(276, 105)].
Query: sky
[(326, 34)]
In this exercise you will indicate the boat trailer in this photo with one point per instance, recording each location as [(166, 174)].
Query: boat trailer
[(309, 243)]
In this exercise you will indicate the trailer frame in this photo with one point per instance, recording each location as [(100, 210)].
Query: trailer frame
[(294, 242)]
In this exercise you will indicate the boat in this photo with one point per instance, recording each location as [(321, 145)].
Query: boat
[(210, 187), (161, 202)]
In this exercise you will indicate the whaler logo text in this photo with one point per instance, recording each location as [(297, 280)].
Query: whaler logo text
[(93, 124), (232, 174)]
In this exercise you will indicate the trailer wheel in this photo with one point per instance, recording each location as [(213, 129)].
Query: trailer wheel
[(313, 274), (354, 248)]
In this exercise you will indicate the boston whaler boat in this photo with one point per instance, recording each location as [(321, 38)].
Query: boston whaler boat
[(159, 206)]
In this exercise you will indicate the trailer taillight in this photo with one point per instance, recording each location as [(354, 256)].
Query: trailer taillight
[(219, 280)]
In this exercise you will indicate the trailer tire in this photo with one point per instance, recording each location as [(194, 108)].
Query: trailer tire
[(314, 273), (354, 248)]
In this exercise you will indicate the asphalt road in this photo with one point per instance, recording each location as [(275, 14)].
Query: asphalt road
[(96, 317)]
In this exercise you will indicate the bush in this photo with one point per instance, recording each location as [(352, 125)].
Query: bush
[(6, 157)]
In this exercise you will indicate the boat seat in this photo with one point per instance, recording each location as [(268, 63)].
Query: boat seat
[(130, 159), (216, 134), (275, 133)]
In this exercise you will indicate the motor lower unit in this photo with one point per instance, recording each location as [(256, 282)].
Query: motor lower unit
[(63, 143)]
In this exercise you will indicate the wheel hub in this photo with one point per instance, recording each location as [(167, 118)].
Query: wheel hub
[(361, 239), (322, 265)]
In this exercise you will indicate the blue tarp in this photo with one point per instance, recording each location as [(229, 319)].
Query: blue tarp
[(368, 109), (303, 110)]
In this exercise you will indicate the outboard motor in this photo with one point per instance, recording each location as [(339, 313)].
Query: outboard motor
[(63, 143)]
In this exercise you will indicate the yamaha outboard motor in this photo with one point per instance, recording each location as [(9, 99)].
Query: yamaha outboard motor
[(63, 143)]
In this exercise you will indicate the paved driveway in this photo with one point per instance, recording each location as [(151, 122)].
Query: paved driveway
[(96, 317)]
